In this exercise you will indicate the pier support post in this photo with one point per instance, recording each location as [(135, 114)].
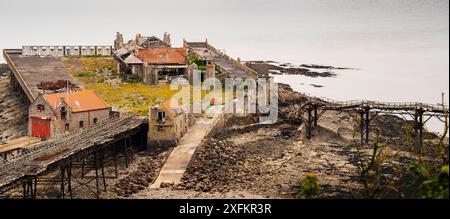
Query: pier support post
[(418, 130), (61, 172), (316, 118), (309, 124), (69, 179), (29, 188), (367, 123), (97, 193), (361, 126)]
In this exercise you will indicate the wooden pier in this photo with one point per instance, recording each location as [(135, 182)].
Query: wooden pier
[(366, 111)]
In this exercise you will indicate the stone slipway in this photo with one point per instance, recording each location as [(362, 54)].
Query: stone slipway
[(177, 162)]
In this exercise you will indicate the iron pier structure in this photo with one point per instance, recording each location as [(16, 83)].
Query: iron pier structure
[(365, 111), (75, 159)]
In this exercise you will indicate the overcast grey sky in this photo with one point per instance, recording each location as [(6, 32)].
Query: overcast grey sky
[(398, 45), (240, 26)]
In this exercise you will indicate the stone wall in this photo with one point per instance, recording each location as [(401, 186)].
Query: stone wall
[(87, 118), (170, 131), (57, 124), (45, 113)]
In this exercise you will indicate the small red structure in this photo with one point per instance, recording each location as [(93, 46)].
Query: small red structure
[(40, 127)]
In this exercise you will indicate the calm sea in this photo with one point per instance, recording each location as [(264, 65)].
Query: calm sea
[(400, 47)]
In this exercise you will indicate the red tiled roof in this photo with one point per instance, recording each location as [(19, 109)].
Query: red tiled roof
[(163, 55), (77, 101)]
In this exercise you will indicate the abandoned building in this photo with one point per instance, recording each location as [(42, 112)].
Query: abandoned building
[(55, 114), (167, 124), (60, 51), (150, 58)]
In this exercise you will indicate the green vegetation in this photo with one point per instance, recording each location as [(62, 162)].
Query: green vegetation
[(432, 181), (199, 62), (134, 97), (82, 74), (85, 56), (310, 186)]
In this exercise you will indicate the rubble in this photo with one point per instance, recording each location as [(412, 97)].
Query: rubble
[(4, 70), (144, 174), (56, 85), (217, 165)]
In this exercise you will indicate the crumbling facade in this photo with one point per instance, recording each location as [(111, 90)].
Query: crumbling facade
[(150, 58), (167, 124), (55, 114)]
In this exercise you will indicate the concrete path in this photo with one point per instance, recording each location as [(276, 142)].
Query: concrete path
[(177, 162), (23, 142)]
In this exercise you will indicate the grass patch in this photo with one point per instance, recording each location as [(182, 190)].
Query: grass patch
[(83, 74), (134, 97)]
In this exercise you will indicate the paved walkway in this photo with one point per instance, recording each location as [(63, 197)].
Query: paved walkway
[(23, 142), (177, 162)]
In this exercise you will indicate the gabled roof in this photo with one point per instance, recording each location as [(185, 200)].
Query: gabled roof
[(77, 101), (131, 59), (121, 52), (151, 42), (163, 55)]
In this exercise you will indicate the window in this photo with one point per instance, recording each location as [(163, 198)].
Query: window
[(66, 127), (161, 116), (63, 113), (81, 124), (160, 128), (95, 121), (40, 108)]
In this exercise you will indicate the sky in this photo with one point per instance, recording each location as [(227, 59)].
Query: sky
[(400, 47)]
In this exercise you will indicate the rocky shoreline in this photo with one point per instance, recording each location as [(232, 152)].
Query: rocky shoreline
[(269, 161), (308, 70)]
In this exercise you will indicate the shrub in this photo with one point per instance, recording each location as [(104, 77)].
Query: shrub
[(433, 183), (310, 186)]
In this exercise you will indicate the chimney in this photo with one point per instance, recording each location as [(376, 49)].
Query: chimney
[(166, 39), (137, 38)]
